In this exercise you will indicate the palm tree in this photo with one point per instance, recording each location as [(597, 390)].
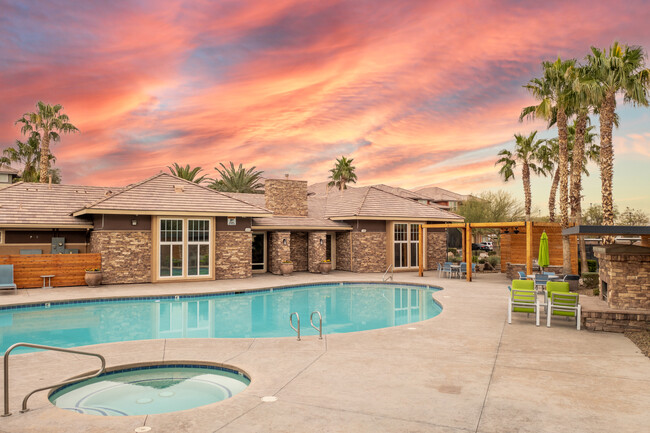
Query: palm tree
[(619, 69), (548, 158), (342, 173), (238, 179), (188, 173), (527, 153), (27, 154), (555, 93), (48, 122)]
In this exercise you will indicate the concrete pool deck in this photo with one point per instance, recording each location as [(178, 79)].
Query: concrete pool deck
[(465, 370)]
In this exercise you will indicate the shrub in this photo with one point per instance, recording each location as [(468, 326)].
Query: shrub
[(590, 280), (494, 261), (592, 265), (492, 253), (481, 261), (596, 291), (454, 251), (474, 259)]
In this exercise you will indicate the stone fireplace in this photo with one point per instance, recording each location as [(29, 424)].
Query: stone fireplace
[(624, 276)]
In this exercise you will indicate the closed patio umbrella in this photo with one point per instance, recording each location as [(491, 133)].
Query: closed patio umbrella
[(543, 256)]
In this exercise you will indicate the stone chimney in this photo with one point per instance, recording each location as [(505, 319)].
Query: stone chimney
[(286, 197)]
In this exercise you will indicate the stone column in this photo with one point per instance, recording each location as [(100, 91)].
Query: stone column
[(436, 248), (279, 250), (317, 250)]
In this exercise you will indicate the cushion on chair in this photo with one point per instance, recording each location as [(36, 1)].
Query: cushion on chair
[(523, 284), (557, 286), (563, 299)]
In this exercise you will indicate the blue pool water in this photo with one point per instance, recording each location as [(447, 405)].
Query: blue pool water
[(150, 390), (258, 314)]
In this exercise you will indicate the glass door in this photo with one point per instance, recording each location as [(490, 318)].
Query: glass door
[(171, 248), (259, 252)]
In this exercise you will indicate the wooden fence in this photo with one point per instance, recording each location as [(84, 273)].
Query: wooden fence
[(513, 246), (68, 269)]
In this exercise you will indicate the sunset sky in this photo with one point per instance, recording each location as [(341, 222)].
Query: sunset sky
[(417, 92)]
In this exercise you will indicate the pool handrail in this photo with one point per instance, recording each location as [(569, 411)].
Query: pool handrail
[(291, 323), (320, 323), (67, 382), (387, 277)]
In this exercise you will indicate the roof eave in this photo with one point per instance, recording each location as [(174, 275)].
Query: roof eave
[(163, 213)]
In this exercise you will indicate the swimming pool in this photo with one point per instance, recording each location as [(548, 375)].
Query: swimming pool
[(345, 307)]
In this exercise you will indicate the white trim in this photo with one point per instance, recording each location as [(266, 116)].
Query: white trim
[(184, 249)]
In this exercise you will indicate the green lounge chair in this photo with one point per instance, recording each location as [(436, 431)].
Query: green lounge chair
[(564, 304), (7, 278), (523, 301)]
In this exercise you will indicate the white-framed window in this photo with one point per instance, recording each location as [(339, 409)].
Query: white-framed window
[(405, 245), (198, 247), (407, 305), (184, 319), (184, 247)]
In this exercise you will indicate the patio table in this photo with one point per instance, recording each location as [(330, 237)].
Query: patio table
[(455, 269)]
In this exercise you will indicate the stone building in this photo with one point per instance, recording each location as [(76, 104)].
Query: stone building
[(168, 229)]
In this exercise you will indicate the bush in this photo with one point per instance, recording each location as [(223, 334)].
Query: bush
[(590, 280), (481, 261), (454, 251), (492, 253), (474, 259), (592, 265), (596, 291), (494, 261)]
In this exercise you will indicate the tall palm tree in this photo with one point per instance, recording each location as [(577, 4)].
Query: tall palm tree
[(555, 93), (27, 154), (238, 179), (526, 152), (188, 173), (342, 173), (619, 69), (48, 121), (548, 158)]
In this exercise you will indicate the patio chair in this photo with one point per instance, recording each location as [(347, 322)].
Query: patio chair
[(463, 269), (446, 268), (549, 273), (554, 287), (7, 278), (523, 301), (522, 285), (439, 269), (540, 281), (522, 275), (564, 304)]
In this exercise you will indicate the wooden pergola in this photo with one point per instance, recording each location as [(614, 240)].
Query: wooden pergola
[(466, 229)]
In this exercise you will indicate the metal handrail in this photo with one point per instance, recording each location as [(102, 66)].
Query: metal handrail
[(291, 323), (384, 278), (320, 323), (67, 382)]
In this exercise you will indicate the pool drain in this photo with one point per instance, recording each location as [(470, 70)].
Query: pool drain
[(269, 399)]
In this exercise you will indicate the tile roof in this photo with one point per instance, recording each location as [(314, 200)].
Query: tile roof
[(440, 194), (375, 202), (4, 169), (168, 194), (277, 222), (25, 204)]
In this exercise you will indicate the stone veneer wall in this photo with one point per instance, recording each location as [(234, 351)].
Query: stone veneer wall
[(317, 242), (278, 251), (368, 251), (233, 255), (126, 255), (615, 321), (436, 248), (628, 278), (343, 260), (286, 197), (298, 251)]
